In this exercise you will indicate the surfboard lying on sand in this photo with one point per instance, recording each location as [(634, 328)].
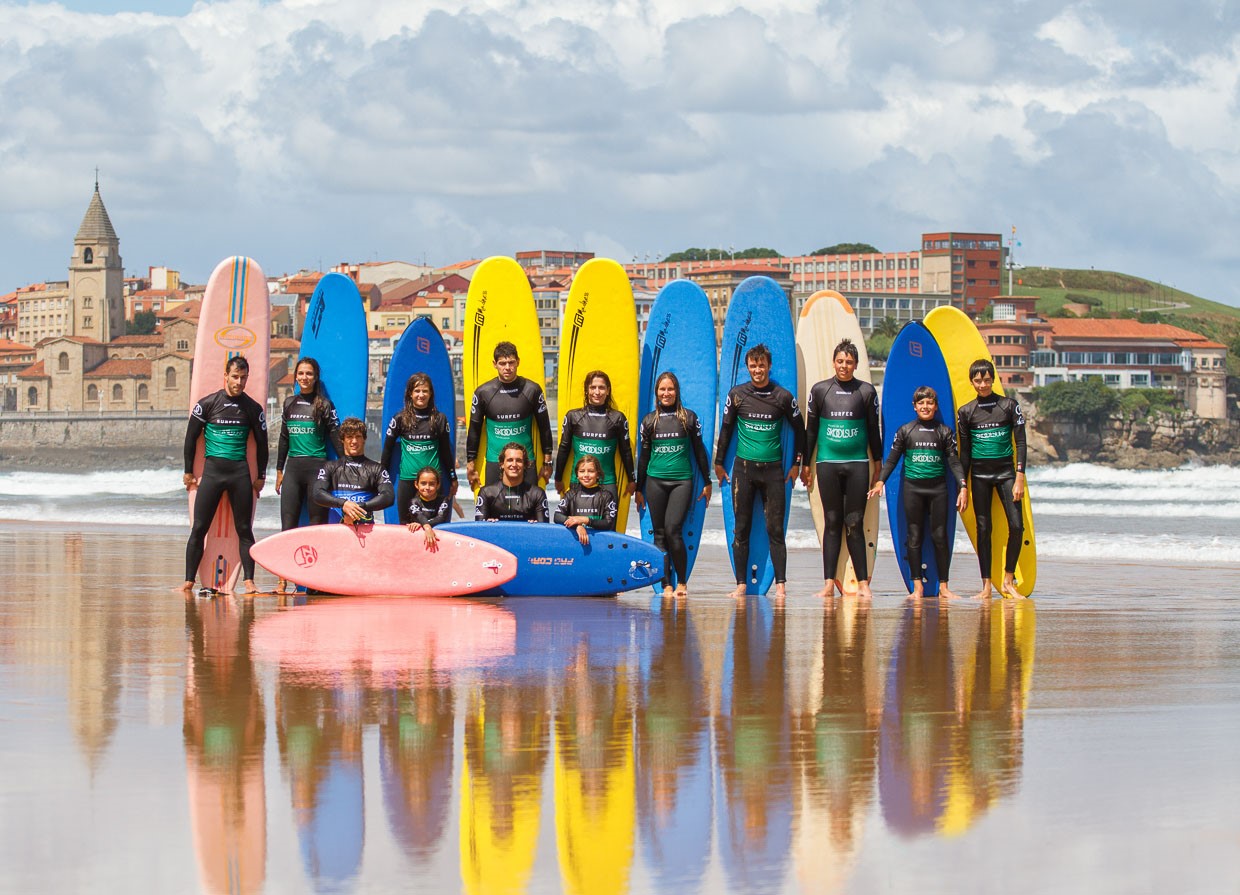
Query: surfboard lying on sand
[(368, 560), (551, 562), (235, 319)]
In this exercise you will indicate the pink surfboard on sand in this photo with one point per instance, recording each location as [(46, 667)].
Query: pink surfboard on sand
[(383, 560), (235, 318)]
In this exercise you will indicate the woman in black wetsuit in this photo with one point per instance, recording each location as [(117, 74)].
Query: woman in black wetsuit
[(423, 435), (669, 444), (599, 430)]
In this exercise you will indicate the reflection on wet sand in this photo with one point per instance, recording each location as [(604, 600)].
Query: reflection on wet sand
[(225, 730)]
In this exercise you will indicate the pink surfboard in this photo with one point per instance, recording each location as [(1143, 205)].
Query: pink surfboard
[(384, 637), (235, 319), (383, 560)]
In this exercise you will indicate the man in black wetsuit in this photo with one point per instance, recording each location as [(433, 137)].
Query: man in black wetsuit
[(511, 497), (355, 485), (225, 420), (987, 429), (507, 408), (757, 411)]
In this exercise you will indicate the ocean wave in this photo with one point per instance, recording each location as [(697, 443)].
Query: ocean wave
[(103, 482), (1161, 509), (1088, 474)]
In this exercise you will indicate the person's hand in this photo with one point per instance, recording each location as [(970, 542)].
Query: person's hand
[(639, 500), (962, 500), (432, 542), (875, 490), (545, 472), (583, 535), (279, 480), (353, 512), (471, 474), (189, 481), (794, 473), (807, 475), (259, 483), (630, 489), (705, 495), (721, 474), (1018, 489)]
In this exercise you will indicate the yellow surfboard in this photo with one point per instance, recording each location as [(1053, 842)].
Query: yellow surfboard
[(599, 332), (961, 345), (826, 318), (500, 308)]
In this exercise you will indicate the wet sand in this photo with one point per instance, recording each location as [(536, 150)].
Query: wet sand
[(1083, 741)]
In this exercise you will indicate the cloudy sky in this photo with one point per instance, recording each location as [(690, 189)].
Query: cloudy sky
[(305, 132)]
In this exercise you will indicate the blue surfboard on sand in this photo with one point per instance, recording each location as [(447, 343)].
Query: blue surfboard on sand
[(334, 334), (915, 360), (757, 314), (680, 338), (551, 562), (420, 349)]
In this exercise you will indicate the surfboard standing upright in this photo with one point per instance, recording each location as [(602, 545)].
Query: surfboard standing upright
[(962, 344), (915, 360), (235, 318), (680, 338), (420, 349), (335, 336), (826, 318), (599, 332), (500, 308), (757, 314)]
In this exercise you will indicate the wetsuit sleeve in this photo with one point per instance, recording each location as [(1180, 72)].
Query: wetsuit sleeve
[(322, 491), (385, 495), (480, 506), (811, 425), (894, 455), (193, 431), (793, 414), (390, 443), (258, 425), (282, 445), (567, 430), (473, 437), (1018, 435), (874, 424), (963, 440), (333, 430), (726, 426), (447, 458), (607, 520), (540, 505), (645, 436), (699, 447), (564, 508), (543, 418), (626, 448), (949, 451)]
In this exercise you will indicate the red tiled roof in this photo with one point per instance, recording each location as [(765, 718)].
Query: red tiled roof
[(35, 371), (188, 310), (153, 339), (1124, 328), (10, 345), (80, 340), (119, 368), (285, 344)]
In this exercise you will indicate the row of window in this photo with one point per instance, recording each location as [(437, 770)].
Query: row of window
[(844, 266), (984, 244)]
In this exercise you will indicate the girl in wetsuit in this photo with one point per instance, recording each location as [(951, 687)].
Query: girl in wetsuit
[(512, 498), (309, 422), (587, 504), (423, 436), (429, 507), (845, 441), (225, 420), (928, 448), (670, 443), (599, 430)]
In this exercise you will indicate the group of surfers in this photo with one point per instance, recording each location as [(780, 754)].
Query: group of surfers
[(837, 452)]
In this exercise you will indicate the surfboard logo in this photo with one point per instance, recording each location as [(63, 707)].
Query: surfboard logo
[(579, 320), (235, 337), (480, 319), (494, 565), (660, 340), (424, 345), (742, 338), (305, 556), (317, 309), (914, 348)]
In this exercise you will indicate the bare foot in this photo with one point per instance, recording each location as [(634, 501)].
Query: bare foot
[(281, 586), (249, 587), (1009, 588), (682, 590), (828, 590), (781, 590), (863, 591), (919, 589), (667, 590), (984, 593), (945, 593), (740, 590), (186, 588)]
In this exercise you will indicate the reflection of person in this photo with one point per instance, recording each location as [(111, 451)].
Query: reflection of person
[(757, 411), (845, 444), (599, 430), (988, 427), (429, 507), (423, 435), (928, 447), (506, 409), (415, 762), (354, 484), (587, 504), (670, 445), (225, 420), (513, 497), (308, 423)]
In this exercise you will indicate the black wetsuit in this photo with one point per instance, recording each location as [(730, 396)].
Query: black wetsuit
[(301, 454), (597, 505), (434, 512), (225, 425), (524, 503), (842, 434), (509, 413), (986, 429), (756, 415), (428, 442), (667, 450), (358, 479), (600, 433), (929, 452)]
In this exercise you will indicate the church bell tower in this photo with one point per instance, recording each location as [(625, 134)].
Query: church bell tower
[(96, 276)]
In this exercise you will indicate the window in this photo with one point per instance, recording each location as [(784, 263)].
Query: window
[(88, 302), (170, 377), (88, 322), (144, 394), (117, 392), (182, 345), (88, 255), (32, 396), (92, 392), (62, 362)]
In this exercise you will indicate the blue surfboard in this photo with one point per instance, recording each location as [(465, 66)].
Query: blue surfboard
[(335, 335), (757, 314), (420, 349), (915, 360), (680, 338), (551, 562)]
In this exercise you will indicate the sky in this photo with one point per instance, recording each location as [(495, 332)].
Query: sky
[(306, 133)]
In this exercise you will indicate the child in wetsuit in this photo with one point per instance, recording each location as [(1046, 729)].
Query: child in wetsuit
[(587, 504)]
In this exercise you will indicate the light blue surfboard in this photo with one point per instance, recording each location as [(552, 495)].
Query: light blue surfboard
[(680, 338), (334, 334), (757, 314), (420, 349), (551, 562), (915, 360)]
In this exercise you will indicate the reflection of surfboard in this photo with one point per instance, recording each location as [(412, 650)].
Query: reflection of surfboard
[(961, 345), (825, 319), (362, 560), (599, 332), (500, 308), (757, 314), (235, 319), (420, 349), (680, 338), (551, 562), (915, 360)]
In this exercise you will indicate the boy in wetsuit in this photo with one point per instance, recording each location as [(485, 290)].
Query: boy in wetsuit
[(354, 484), (986, 428), (508, 406), (512, 497), (757, 411)]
